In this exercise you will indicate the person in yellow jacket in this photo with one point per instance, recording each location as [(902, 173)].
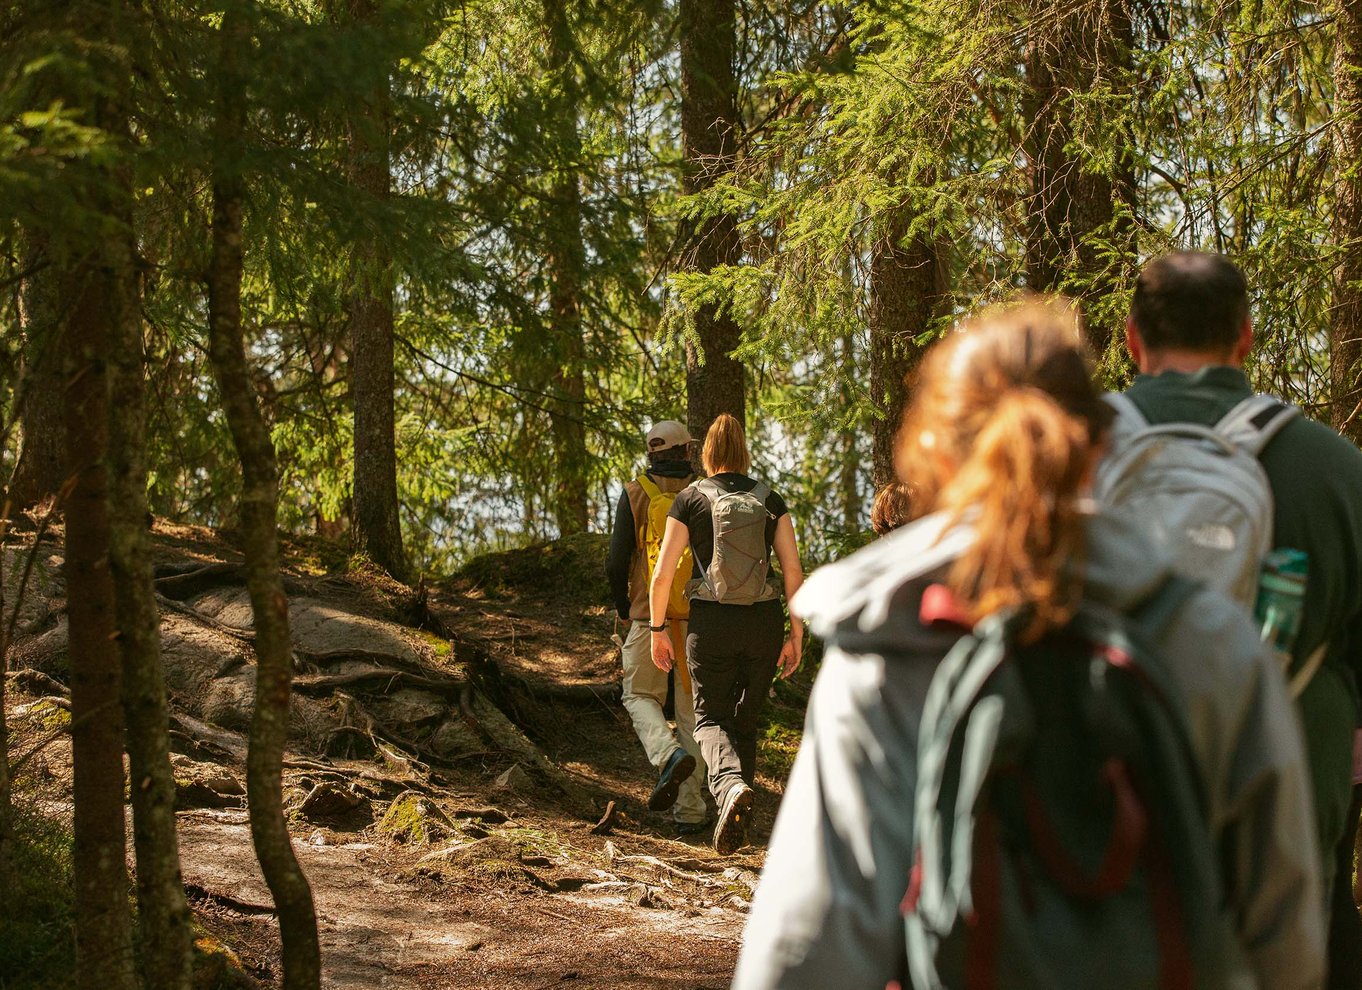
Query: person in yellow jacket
[(640, 521)]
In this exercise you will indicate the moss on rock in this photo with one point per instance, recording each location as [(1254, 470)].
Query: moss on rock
[(413, 818)]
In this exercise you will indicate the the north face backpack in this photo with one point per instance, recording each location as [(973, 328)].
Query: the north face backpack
[(651, 531), (737, 572), (1198, 492), (1060, 824)]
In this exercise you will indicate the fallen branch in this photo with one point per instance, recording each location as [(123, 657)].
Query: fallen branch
[(187, 584), (577, 694), (36, 682), (236, 632), (325, 683)]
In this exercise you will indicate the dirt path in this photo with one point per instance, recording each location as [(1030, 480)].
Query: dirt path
[(380, 928), (491, 700)]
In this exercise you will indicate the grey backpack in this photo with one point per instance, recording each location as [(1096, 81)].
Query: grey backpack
[(737, 572), (1198, 492), (1061, 833)]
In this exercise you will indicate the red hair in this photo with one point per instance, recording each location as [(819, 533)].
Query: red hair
[(1003, 424)]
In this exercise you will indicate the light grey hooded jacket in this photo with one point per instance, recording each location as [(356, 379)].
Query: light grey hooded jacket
[(826, 914)]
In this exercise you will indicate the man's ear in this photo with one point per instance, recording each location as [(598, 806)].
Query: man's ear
[(1135, 344), (1244, 343)]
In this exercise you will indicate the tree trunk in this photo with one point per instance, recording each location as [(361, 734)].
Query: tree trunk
[(715, 382), (104, 957), (1069, 48), (850, 452), (378, 529), (1345, 323), (163, 912), (259, 508), (905, 296), (6, 790), (89, 277), (39, 472), (567, 261)]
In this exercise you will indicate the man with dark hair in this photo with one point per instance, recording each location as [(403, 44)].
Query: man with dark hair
[(1190, 301), (640, 519), (1189, 332)]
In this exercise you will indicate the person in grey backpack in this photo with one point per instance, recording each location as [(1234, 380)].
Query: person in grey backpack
[(906, 853), (640, 520), (1189, 332), (736, 639)]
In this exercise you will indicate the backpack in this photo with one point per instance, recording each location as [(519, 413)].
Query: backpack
[(651, 531), (1198, 492), (1060, 825), (737, 572)]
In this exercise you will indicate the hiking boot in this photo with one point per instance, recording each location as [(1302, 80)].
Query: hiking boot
[(731, 833), (679, 766)]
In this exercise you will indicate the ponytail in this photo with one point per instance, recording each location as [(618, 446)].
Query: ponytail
[(1022, 477), (725, 447), (1002, 430)]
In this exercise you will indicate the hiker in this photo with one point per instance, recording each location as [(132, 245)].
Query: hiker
[(640, 520), (730, 522), (1188, 332), (891, 509), (1002, 436)]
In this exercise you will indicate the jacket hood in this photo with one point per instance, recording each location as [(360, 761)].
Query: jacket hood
[(1120, 569)]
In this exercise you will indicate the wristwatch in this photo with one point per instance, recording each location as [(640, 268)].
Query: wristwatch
[(661, 628)]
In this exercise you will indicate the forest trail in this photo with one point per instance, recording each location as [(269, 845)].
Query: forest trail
[(454, 751)]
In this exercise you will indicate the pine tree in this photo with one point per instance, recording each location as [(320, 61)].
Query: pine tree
[(1345, 323), (715, 381), (269, 604), (378, 529)]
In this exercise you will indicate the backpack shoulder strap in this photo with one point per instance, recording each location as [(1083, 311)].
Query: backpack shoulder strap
[(710, 489), (761, 491), (1255, 421), (1129, 419), (649, 488), (1156, 611)]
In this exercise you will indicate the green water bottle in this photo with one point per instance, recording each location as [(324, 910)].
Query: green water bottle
[(1281, 599)]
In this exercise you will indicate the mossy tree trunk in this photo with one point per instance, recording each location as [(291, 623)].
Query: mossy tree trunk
[(1345, 324), (164, 931), (906, 294), (715, 380), (6, 789), (103, 920), (39, 472), (1070, 48), (378, 528), (567, 264), (259, 507), (848, 439), (96, 279)]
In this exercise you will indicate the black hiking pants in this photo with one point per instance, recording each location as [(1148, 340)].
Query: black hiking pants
[(732, 651)]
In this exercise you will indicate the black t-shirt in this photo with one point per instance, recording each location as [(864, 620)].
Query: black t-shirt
[(692, 508)]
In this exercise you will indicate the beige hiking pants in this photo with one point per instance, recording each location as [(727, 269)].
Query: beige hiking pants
[(645, 692)]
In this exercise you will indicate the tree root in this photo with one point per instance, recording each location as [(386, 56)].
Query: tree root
[(36, 682)]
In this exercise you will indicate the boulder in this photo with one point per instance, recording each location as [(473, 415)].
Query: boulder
[(414, 818)]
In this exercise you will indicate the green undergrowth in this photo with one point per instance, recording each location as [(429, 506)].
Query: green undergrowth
[(572, 569), (783, 721), (37, 945)]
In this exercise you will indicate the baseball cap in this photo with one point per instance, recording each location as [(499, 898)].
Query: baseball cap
[(667, 434)]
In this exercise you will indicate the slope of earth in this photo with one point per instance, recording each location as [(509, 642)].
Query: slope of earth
[(465, 791)]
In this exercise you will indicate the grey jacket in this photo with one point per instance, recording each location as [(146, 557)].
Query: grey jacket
[(826, 914)]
